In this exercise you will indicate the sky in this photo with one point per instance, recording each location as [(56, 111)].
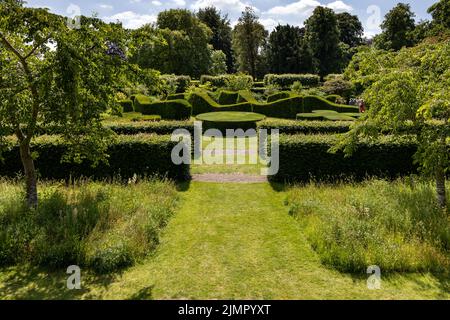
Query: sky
[(135, 13)]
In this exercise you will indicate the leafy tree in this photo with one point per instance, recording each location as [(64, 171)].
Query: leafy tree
[(398, 27), (440, 11), (54, 76), (221, 32), (322, 34), (408, 93), (288, 51), (248, 39), (218, 63), (351, 29)]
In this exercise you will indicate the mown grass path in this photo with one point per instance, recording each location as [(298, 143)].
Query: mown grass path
[(229, 241)]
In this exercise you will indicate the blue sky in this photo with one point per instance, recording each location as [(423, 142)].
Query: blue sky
[(134, 13)]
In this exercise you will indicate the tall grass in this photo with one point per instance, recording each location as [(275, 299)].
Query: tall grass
[(395, 225), (99, 225)]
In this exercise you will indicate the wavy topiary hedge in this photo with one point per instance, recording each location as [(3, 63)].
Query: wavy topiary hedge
[(306, 157), (285, 108), (127, 105), (143, 155), (280, 95), (169, 109), (202, 103), (311, 103), (176, 96), (228, 97)]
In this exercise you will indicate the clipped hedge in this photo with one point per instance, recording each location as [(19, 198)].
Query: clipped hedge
[(176, 96), (285, 108), (304, 157), (305, 127), (285, 81), (311, 103), (152, 127), (221, 80), (140, 100), (182, 82), (333, 98), (169, 109), (143, 155), (246, 96), (127, 105), (279, 96), (202, 103), (228, 97)]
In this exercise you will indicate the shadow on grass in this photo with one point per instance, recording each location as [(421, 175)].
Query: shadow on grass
[(32, 283), (183, 186), (143, 294)]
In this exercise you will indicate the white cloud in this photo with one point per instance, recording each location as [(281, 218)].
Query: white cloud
[(223, 5), (270, 23), (106, 6), (135, 1), (339, 6), (180, 3), (131, 20), (302, 7), (156, 3)]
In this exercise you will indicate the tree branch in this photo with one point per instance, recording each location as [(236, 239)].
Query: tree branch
[(37, 46)]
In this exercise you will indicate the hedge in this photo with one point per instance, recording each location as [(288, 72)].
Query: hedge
[(246, 96), (143, 155), (182, 82), (139, 101), (221, 81), (169, 110), (177, 96), (311, 103), (305, 127), (333, 98), (285, 108), (285, 81), (127, 105), (228, 97), (160, 127), (279, 96), (202, 103), (304, 157)]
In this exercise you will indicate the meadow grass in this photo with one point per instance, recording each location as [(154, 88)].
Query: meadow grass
[(104, 226), (395, 225)]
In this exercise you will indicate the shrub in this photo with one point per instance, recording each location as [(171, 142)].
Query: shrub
[(127, 105), (338, 87), (397, 226), (144, 155), (334, 98), (228, 97), (285, 81), (169, 110), (104, 226), (181, 83), (385, 157), (202, 103), (238, 82), (311, 103)]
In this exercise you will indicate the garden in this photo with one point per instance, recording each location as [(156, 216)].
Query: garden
[(300, 178)]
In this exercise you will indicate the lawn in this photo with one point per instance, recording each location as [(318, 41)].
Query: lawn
[(227, 241)]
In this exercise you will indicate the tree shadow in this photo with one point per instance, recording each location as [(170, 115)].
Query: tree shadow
[(143, 294)]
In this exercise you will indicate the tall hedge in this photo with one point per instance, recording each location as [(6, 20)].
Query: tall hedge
[(143, 155), (221, 81), (228, 97), (149, 127), (140, 100), (127, 105), (284, 108), (285, 81), (311, 103), (169, 109), (304, 157), (305, 127), (202, 103), (182, 82)]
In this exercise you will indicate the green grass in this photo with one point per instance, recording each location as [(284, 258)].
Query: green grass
[(100, 226), (128, 117), (395, 225), (227, 241), (230, 116)]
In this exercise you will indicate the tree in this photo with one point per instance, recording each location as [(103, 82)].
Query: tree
[(248, 39), (440, 11), (322, 34), (351, 29), (408, 93), (398, 27), (52, 75), (218, 63), (288, 51), (221, 32)]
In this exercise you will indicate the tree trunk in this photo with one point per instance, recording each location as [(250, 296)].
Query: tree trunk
[(30, 175), (440, 187)]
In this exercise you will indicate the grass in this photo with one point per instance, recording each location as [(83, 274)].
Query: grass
[(395, 225), (128, 117), (101, 226), (233, 241)]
